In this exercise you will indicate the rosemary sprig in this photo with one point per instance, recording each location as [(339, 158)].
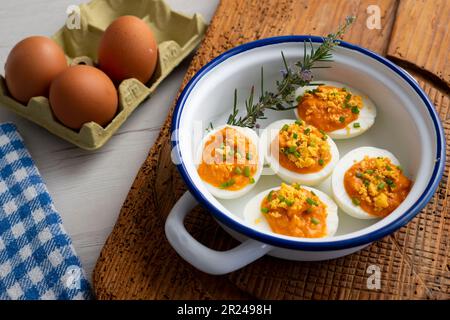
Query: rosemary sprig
[(299, 75)]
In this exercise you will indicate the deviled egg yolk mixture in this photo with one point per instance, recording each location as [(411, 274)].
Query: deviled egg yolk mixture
[(302, 148), (377, 185), (329, 108), (294, 211), (229, 160)]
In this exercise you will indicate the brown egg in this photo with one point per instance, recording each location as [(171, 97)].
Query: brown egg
[(83, 94), (128, 49), (31, 66)]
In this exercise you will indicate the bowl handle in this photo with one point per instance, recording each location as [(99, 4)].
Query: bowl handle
[(201, 257)]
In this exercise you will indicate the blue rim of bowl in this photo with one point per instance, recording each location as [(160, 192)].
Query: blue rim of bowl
[(298, 244)]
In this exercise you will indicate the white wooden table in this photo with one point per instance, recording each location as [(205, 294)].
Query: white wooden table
[(88, 188)]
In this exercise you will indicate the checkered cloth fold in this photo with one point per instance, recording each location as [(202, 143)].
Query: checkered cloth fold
[(37, 259)]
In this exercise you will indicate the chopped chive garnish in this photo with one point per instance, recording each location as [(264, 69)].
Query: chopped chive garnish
[(315, 221), (292, 149), (356, 125), (289, 202), (321, 162), (299, 122), (296, 186), (341, 119), (311, 202), (390, 182), (285, 127), (344, 89), (299, 98), (264, 210), (309, 210), (238, 170), (297, 154), (295, 135), (356, 201), (369, 171), (388, 168), (269, 196), (252, 180), (359, 175), (307, 131), (281, 198), (247, 171), (348, 97), (366, 182), (227, 184), (248, 156), (355, 110), (381, 186)]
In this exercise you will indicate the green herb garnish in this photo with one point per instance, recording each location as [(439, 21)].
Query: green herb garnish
[(356, 201), (341, 119), (315, 221), (247, 171), (355, 110), (321, 162), (227, 184), (294, 77), (311, 202), (356, 125), (264, 210)]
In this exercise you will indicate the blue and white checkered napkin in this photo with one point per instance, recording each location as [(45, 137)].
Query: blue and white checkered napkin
[(37, 259)]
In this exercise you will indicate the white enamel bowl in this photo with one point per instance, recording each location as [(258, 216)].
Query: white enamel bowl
[(406, 124)]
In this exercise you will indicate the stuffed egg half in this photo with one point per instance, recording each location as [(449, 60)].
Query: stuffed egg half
[(369, 183), (339, 110), (293, 210), (298, 152), (229, 161)]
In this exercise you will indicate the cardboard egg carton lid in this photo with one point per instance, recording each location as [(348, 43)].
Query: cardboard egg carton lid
[(177, 35)]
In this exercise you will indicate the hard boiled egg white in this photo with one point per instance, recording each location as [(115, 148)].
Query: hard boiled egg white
[(366, 117), (267, 137), (337, 180), (254, 217), (232, 194)]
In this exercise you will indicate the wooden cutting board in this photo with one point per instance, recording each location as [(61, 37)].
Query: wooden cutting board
[(138, 263)]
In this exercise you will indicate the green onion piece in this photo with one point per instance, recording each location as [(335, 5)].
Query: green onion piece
[(297, 154), (248, 156), (281, 198), (269, 196), (359, 175), (285, 127), (311, 202), (321, 162), (356, 125), (369, 171), (295, 135), (292, 149), (390, 182), (388, 168), (381, 186), (366, 182), (307, 131), (252, 180), (299, 122), (247, 171), (264, 210), (227, 184), (355, 110), (299, 98), (315, 221), (238, 170), (348, 97), (289, 202), (356, 201), (296, 186), (309, 210), (341, 119)]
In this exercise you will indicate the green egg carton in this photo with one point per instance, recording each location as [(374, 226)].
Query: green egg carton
[(177, 35)]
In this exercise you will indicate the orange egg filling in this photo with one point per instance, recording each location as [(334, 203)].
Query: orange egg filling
[(329, 108), (229, 160), (301, 148), (377, 185), (294, 211)]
